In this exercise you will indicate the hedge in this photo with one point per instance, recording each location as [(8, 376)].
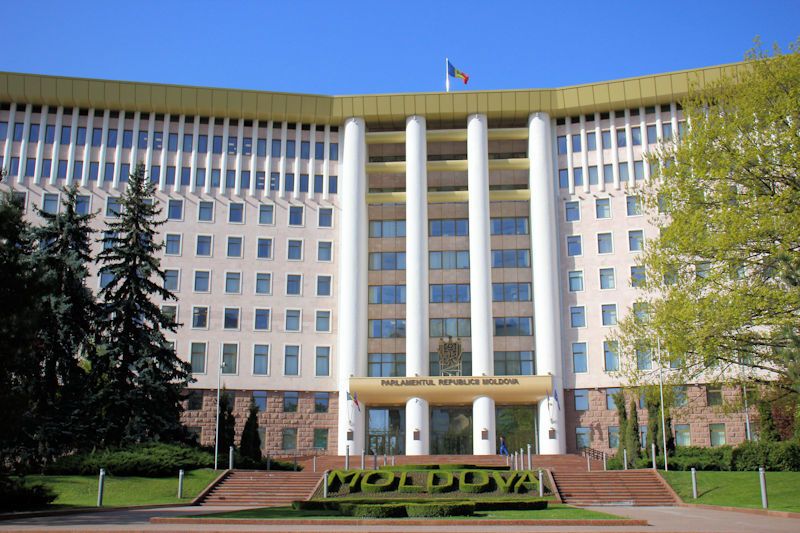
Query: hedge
[(407, 485), (474, 481), (377, 481), (439, 509), (373, 510), (455, 466), (439, 482), (778, 456), (16, 495), (147, 460)]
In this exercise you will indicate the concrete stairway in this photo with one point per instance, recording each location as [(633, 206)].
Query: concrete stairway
[(631, 487), (262, 488)]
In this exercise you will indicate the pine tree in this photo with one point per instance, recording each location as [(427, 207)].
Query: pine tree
[(654, 420), (137, 378), (68, 309), (19, 291), (619, 401), (250, 443), (670, 436), (632, 441), (227, 424), (767, 431)]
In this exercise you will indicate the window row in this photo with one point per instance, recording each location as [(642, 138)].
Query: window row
[(683, 436), (287, 148), (62, 169), (262, 318), (259, 364), (577, 315), (622, 137), (236, 213), (605, 243), (607, 278), (602, 208), (506, 363), (233, 282), (204, 247), (594, 177)]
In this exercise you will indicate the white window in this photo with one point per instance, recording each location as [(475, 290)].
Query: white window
[(323, 321), (261, 319), (197, 357), (605, 244), (609, 314), (291, 360), (266, 214), (572, 211), (200, 317), (294, 284), (575, 281), (602, 208), (202, 281), (172, 244), (607, 280), (636, 240), (261, 359), (294, 250), (293, 320), (263, 283), (325, 251), (323, 285), (172, 279), (233, 282), (230, 358)]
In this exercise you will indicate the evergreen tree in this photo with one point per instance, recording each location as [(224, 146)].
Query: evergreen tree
[(670, 436), (137, 378), (227, 424), (19, 291), (57, 411), (632, 441), (250, 443), (767, 431), (619, 401), (654, 420)]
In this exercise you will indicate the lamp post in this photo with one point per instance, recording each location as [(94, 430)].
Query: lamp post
[(216, 431), (661, 391)]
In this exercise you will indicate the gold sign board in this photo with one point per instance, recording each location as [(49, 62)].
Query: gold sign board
[(450, 390)]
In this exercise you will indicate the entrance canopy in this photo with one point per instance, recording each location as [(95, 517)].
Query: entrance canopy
[(452, 390)]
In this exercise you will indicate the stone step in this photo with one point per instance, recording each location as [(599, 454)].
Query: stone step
[(638, 487), (262, 488)]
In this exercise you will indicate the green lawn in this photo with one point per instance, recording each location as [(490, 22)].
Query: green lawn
[(554, 511), (81, 491), (739, 489)]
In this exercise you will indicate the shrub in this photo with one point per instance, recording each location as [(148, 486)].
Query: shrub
[(265, 464), (407, 485), (688, 457), (527, 482), (16, 495), (439, 509), (373, 510), (505, 484), (440, 482), (377, 481), (511, 504), (779, 456), (147, 460), (474, 481)]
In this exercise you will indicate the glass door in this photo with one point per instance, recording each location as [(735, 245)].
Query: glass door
[(451, 430), (386, 430)]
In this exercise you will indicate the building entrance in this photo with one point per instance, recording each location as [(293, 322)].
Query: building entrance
[(517, 423), (386, 430), (451, 430)]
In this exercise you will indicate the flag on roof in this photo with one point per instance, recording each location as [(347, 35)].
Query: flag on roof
[(455, 73)]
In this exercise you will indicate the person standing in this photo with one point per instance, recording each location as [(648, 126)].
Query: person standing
[(503, 448)]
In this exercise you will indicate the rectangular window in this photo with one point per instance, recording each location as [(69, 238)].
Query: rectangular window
[(577, 316), (563, 178), (713, 396), (501, 226), (175, 210), (581, 400), (608, 173), (679, 396), (205, 211), (261, 359), (576, 143), (602, 208), (97, 137), (506, 292), (291, 360), (289, 439), (260, 402), (323, 322), (264, 248), (609, 314), (717, 433), (318, 183), (322, 367), (325, 217), (577, 176), (386, 364), (638, 276), (636, 240), (294, 284), (451, 227), (82, 204), (611, 404), (683, 435), (94, 170), (573, 211), (579, 358), (204, 246), (230, 358), (583, 437), (652, 136), (113, 207), (605, 244), (575, 281), (324, 251), (142, 144), (198, 357), (333, 151), (561, 141), (611, 355), (296, 215), (202, 281), (262, 320), (80, 137), (591, 142), (622, 139), (319, 151), (387, 261), (290, 149), (607, 280), (606, 139), (62, 169), (613, 437), (294, 250), (388, 328), (574, 245), (263, 283), (231, 318), (234, 248), (513, 326), (200, 317), (292, 320), (172, 244), (513, 363), (644, 359), (236, 213), (633, 205), (636, 136), (233, 282), (323, 285), (266, 214)]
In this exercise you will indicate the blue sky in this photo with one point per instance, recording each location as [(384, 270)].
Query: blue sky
[(383, 46)]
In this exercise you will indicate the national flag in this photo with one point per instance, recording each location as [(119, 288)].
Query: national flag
[(354, 398), (455, 73), (555, 397)]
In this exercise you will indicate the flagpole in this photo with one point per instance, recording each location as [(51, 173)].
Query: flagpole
[(447, 75)]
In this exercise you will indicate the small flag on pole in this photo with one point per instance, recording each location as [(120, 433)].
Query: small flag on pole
[(354, 399), (454, 73)]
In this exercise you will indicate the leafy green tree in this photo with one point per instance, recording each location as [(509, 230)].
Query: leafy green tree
[(633, 442), (137, 378), (227, 424), (250, 442), (653, 404), (19, 291), (767, 431), (722, 285), (57, 412)]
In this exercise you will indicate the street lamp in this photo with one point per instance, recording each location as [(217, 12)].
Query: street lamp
[(661, 391), (216, 435)]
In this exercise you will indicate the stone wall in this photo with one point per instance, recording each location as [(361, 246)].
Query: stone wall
[(272, 421), (697, 413)]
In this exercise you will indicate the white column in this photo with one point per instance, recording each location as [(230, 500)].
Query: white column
[(223, 169), (570, 171), (37, 171), (148, 154), (417, 341), (12, 113), (209, 155), (629, 149), (23, 150), (195, 143), (101, 163), (118, 149), (237, 180), (298, 141), (480, 281), (268, 162), (326, 162), (282, 161), (312, 141), (73, 137), (598, 139), (54, 157), (546, 302), (179, 155), (645, 141), (253, 160), (353, 283), (162, 182), (584, 154), (87, 148), (612, 130)]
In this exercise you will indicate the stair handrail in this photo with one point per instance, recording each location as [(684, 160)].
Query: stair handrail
[(592, 453)]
